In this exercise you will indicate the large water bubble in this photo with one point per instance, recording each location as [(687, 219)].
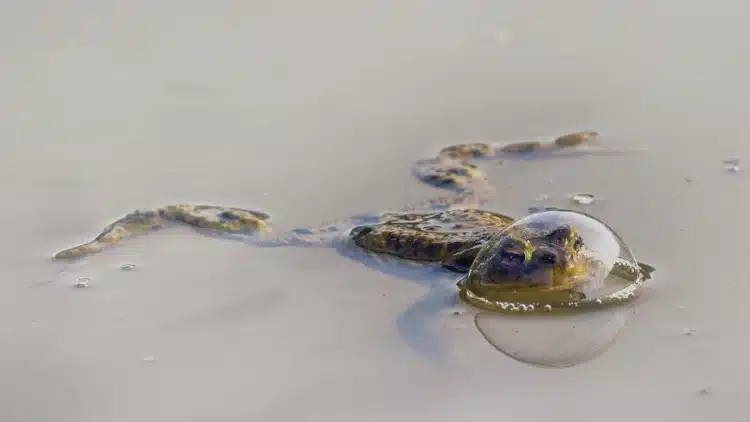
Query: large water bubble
[(553, 260), (553, 341)]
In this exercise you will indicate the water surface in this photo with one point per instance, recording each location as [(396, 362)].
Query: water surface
[(313, 112)]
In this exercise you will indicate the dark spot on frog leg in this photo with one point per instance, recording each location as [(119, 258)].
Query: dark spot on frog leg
[(433, 249), (360, 231), (229, 215), (575, 139), (454, 247), (461, 261), (521, 147), (392, 241)]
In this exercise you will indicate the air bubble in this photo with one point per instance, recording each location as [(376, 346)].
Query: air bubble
[(732, 165), (82, 283), (608, 271), (552, 341), (583, 198), (127, 267)]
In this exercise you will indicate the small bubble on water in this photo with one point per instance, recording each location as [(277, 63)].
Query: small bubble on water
[(127, 267), (732, 165), (689, 332), (82, 283), (583, 198)]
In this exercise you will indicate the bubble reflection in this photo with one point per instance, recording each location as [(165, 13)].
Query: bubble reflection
[(553, 341)]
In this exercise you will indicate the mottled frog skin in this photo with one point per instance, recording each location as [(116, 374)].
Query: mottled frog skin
[(449, 230)]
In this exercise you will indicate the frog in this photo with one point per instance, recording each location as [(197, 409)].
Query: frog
[(446, 233)]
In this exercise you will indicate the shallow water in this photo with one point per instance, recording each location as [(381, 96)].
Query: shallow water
[(314, 113)]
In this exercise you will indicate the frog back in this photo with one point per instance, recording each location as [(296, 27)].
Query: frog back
[(429, 237)]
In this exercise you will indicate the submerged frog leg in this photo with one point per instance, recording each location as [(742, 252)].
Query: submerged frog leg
[(324, 235), (572, 145), (217, 219), (452, 170), (628, 273), (561, 142)]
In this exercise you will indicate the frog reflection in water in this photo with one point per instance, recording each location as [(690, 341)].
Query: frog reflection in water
[(450, 230)]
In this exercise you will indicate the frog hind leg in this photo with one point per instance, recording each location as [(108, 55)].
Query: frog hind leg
[(328, 234), (452, 170), (213, 219), (453, 167)]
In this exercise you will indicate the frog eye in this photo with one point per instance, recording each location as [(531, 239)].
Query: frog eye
[(511, 255)]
